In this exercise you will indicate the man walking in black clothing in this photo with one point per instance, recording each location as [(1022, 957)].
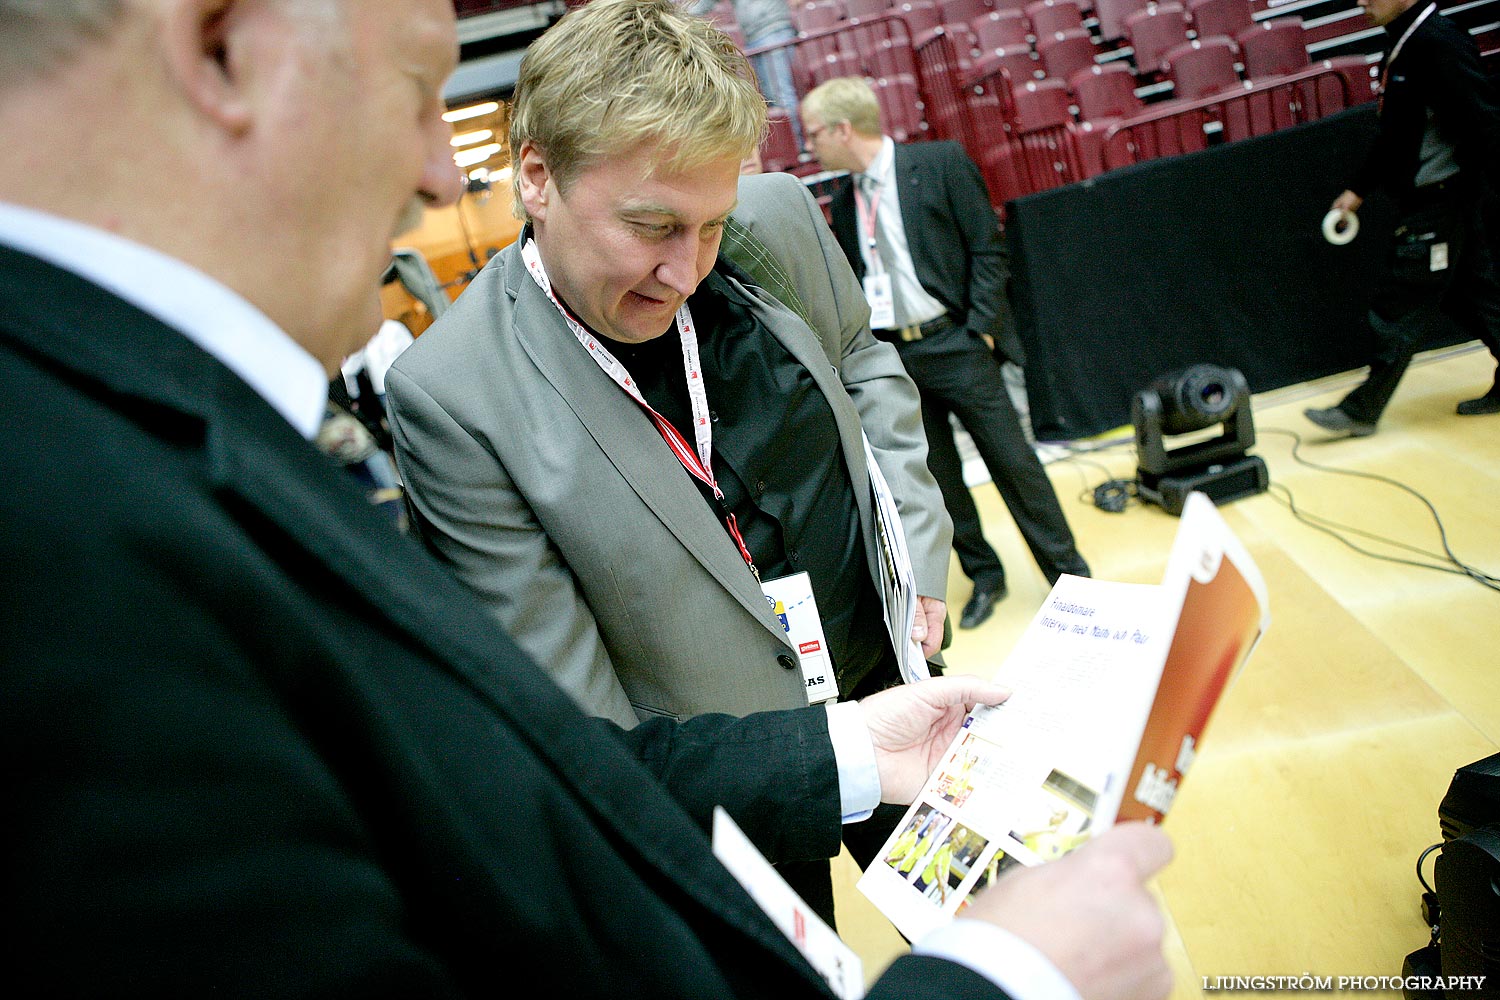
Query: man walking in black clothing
[(1437, 156)]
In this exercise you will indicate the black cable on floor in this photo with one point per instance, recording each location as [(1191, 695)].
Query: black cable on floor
[(1448, 561), (1112, 495)]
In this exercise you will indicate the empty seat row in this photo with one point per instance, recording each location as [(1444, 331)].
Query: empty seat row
[(1157, 28), (1043, 133)]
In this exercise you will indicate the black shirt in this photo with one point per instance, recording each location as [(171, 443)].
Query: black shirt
[(778, 461), (1438, 72)]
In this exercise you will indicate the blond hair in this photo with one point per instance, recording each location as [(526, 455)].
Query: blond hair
[(845, 99), (617, 73)]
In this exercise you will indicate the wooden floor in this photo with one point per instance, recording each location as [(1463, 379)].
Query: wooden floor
[(1317, 784)]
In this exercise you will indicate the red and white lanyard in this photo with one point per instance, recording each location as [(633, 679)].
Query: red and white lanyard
[(1385, 71), (699, 462)]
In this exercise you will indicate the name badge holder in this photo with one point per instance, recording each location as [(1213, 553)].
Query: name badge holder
[(882, 302), (791, 600)]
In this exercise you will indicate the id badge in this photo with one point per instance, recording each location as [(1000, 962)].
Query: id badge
[(791, 600), (882, 305), (1439, 257)]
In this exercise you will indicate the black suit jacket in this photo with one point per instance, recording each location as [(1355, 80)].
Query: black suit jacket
[(260, 745), (956, 246)]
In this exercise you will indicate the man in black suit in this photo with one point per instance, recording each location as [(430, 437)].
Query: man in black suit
[(916, 224), (260, 745)]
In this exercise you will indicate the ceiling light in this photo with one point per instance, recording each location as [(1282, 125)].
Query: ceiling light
[(469, 138), (473, 111), (469, 157)]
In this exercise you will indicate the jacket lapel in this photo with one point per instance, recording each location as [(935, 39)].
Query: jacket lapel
[(786, 317), (912, 192), (846, 224)]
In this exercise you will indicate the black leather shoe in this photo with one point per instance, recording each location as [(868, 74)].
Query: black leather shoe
[(1336, 420), (1488, 403), (982, 604)]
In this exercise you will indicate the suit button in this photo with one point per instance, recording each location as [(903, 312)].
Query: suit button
[(786, 660)]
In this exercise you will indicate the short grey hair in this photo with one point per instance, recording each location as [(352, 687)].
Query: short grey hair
[(38, 35)]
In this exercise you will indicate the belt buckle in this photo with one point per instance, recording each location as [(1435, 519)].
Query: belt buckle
[(912, 332)]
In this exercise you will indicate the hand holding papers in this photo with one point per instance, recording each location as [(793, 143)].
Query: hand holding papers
[(1112, 685)]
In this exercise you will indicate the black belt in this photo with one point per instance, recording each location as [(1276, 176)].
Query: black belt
[(915, 331)]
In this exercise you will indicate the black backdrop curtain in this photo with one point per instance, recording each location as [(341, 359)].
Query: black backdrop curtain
[(1215, 257)]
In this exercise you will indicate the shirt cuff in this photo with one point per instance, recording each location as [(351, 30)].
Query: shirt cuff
[(859, 777), (999, 956)]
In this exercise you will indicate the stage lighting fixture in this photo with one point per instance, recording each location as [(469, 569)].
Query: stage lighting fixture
[(1463, 908), (1194, 399)]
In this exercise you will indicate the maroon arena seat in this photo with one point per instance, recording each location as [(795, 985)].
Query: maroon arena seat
[(1201, 67), (1220, 17), (1040, 103), (1000, 28), (1051, 16), (817, 14), (1018, 61), (1273, 48), (1151, 32), (1112, 14), (866, 8), (779, 152), (1064, 53), (921, 16), (900, 109), (1105, 91), (962, 10)]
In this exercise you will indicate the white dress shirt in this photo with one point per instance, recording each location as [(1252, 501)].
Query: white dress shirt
[(918, 306)]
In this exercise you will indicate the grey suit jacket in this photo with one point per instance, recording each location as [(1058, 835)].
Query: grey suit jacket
[(553, 496)]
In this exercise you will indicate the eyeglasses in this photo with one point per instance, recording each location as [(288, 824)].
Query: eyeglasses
[(813, 133)]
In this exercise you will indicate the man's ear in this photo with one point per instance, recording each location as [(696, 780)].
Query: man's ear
[(535, 177), (203, 43)]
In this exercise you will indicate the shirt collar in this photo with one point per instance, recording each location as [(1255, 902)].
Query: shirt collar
[(207, 312), (882, 166)]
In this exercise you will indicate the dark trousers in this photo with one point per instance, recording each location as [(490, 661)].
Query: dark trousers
[(1413, 302), (956, 373)]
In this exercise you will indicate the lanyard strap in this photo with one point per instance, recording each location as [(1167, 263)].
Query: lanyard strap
[(698, 462), (1401, 43)]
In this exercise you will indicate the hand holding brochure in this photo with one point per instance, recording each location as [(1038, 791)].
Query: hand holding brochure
[(1112, 685)]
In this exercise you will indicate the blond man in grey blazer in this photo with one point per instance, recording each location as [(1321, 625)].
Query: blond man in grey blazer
[(547, 485)]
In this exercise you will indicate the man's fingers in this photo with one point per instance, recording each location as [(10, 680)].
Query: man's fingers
[(1145, 847), (952, 689)]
